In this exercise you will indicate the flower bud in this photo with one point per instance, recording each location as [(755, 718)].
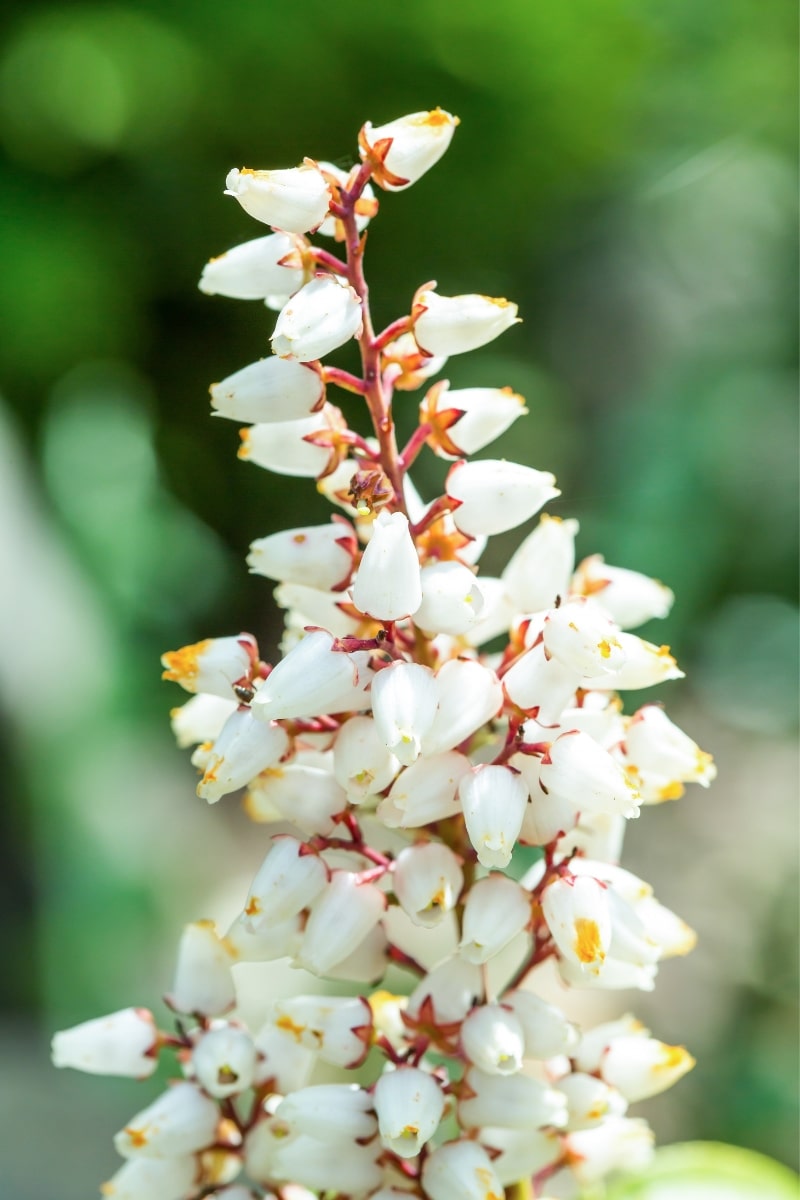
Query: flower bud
[(289, 880), (282, 446), (497, 613), (404, 700), (224, 1061), (269, 391), (654, 743), (323, 315), (285, 1065), (122, 1043), (340, 919), (213, 665), (641, 1067), (295, 200), (450, 990), (409, 1105), (577, 914), (306, 795), (493, 1040), (540, 569), (200, 719), (254, 270), (461, 1169), (181, 1121), (469, 695), (368, 962), (547, 815), (618, 1143), (496, 910), (266, 942), (152, 1179), (387, 584), (361, 763), (451, 599), (662, 926), (629, 598), (243, 749), (483, 415), (203, 981), (334, 1112), (582, 638), (337, 1028), (587, 776), (328, 1165), (318, 556), (524, 1152), (493, 801), (595, 1041), (492, 495), (510, 1101), (313, 679), (547, 1031), (456, 324), (590, 1100), (427, 880), (540, 685), (401, 151), (425, 792)]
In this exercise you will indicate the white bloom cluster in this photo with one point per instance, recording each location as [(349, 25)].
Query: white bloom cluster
[(405, 762)]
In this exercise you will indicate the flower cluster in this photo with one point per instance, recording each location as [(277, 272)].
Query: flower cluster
[(397, 763)]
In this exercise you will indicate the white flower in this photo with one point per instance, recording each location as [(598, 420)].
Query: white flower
[(306, 795), (654, 744), (469, 694), (425, 791), (595, 1041), (295, 200), (586, 775), (524, 1152), (323, 315), (362, 764), (456, 324), (541, 567), (313, 679), (401, 151), (285, 1065), (460, 1169), (547, 1031), (449, 991), (181, 1121), (224, 1061), (409, 1105), (254, 270), (427, 881), (266, 942), (493, 800), (577, 914), (641, 1067), (628, 597), (495, 911), (153, 1179), (288, 880), (492, 1038), (243, 749), (340, 919), (338, 1028), (486, 413), (590, 1100), (540, 685), (451, 599), (203, 981), (492, 495), (281, 446), (645, 666), (619, 1142), (510, 1101), (318, 556), (269, 391), (387, 584), (122, 1043), (365, 206), (200, 719), (333, 1112), (581, 637), (213, 665), (404, 703), (325, 1165)]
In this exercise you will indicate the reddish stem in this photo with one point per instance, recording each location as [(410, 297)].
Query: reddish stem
[(414, 445), (344, 380), (392, 332), (324, 258)]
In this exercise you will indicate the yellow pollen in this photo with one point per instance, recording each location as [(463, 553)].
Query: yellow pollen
[(605, 648), (484, 1178), (587, 944), (299, 538), (288, 1026), (671, 791), (138, 1137), (182, 665), (253, 907), (572, 625), (226, 1075)]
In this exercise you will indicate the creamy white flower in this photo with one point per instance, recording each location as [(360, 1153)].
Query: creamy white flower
[(539, 571), (200, 719), (340, 919), (497, 613), (450, 990), (587, 776), (332, 226), (493, 801), (318, 556), (404, 700), (461, 1169), (641, 1067), (451, 599), (153, 1179), (427, 881), (547, 1031), (224, 1061), (243, 749), (594, 1042), (628, 597), (285, 1065), (581, 636), (524, 1152), (590, 1100), (387, 584), (495, 911), (314, 678), (254, 270), (335, 1112), (281, 446), (406, 367), (424, 792), (456, 324), (547, 814), (324, 1164), (492, 1038), (511, 1102), (266, 942), (486, 413), (368, 962), (213, 665), (577, 914), (409, 1105), (181, 1121), (468, 695), (362, 765), (662, 926), (612, 975), (306, 795), (492, 495), (269, 391), (122, 1043), (619, 1142), (654, 744), (337, 1028), (288, 880), (540, 685), (203, 981), (311, 607), (294, 200), (323, 315), (645, 666), (401, 151)]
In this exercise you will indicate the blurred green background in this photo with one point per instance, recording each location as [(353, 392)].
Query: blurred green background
[(626, 171)]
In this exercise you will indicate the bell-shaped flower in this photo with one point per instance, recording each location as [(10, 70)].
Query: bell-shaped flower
[(662, 926), (306, 795), (283, 446), (401, 151), (577, 913), (425, 792), (640, 1067), (337, 1028), (122, 1043), (523, 1153), (224, 1061), (265, 942), (510, 1101), (497, 613), (469, 695), (427, 881), (284, 1065), (547, 814), (586, 775), (314, 679), (614, 975), (461, 1169), (404, 700), (456, 324), (493, 800), (654, 744), (243, 749), (539, 571), (547, 1031), (620, 1143), (153, 1179), (409, 1104), (365, 207), (493, 1040), (213, 665), (387, 584), (590, 1100), (200, 719), (581, 637), (492, 495), (318, 556), (406, 367), (289, 879), (327, 1164), (181, 1121), (203, 981), (294, 200), (255, 270), (334, 1112), (269, 391), (540, 685), (368, 962), (340, 919), (466, 420), (451, 599), (308, 606), (450, 990), (496, 910), (594, 1042), (628, 597), (322, 316), (645, 666), (362, 765)]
